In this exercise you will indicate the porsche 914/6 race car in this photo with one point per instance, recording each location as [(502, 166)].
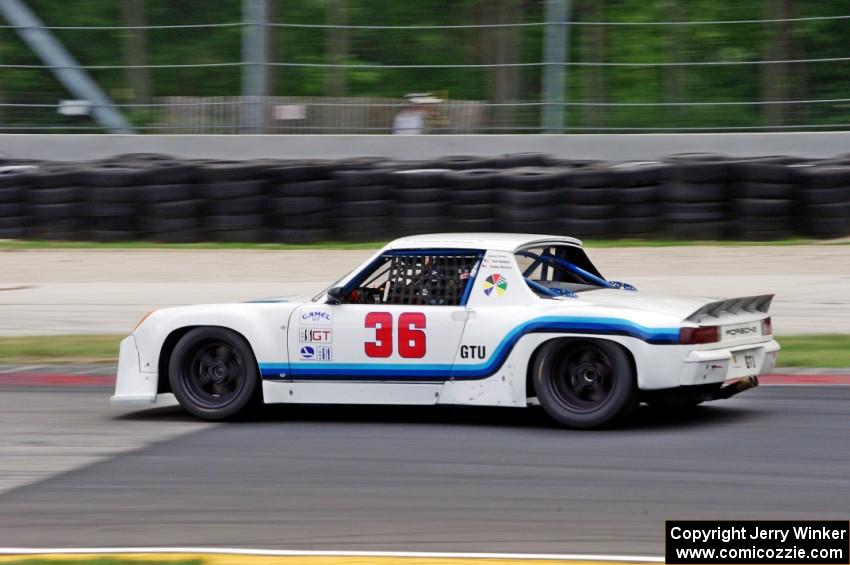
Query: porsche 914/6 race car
[(471, 319)]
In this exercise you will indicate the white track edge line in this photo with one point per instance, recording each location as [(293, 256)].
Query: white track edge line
[(319, 553)]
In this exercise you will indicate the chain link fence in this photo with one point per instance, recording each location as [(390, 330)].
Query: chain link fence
[(343, 71)]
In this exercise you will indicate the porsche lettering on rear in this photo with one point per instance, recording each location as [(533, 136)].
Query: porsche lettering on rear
[(475, 319)]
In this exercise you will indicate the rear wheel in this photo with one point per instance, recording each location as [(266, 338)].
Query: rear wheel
[(585, 383), (213, 373)]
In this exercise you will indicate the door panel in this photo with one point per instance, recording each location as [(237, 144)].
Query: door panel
[(374, 342)]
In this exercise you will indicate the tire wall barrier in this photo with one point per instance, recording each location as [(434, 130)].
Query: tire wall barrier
[(145, 196)]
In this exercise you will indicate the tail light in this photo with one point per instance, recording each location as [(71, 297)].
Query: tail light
[(767, 326), (702, 334)]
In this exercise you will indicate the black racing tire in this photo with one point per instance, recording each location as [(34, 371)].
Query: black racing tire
[(414, 225), (166, 193), (594, 195), (421, 195), (694, 192), (471, 225), (213, 373), (426, 209), (12, 232), (475, 179), (227, 222), (11, 193), (312, 220), (110, 210), (320, 188), (164, 225), (637, 194), (473, 197), (176, 209), (763, 190), (595, 176), (361, 177), (763, 207), (638, 226), (12, 209), (585, 384), (254, 235), (237, 206), (52, 212), (589, 211), (706, 231), (474, 212), (298, 206), (515, 197), (834, 210), (583, 227), (419, 178), (112, 175), (232, 189), (59, 195), (363, 193), (825, 195), (645, 210)]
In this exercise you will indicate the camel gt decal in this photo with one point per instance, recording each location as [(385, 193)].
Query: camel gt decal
[(495, 283)]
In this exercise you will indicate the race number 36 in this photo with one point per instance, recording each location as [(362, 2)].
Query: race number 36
[(411, 338)]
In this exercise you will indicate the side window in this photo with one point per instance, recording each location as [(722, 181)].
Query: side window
[(437, 280)]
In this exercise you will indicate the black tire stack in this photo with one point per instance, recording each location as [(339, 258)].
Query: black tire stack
[(15, 182), (110, 201), (824, 196), (171, 202), (762, 199), (421, 200), (234, 201), (527, 199), (639, 185), (300, 206), (54, 203), (472, 199), (695, 200), (365, 208), (587, 202)]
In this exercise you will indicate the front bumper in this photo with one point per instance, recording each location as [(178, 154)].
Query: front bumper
[(710, 366), (132, 386)]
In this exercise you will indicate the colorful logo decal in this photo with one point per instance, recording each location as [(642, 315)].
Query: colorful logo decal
[(497, 283), (315, 353)]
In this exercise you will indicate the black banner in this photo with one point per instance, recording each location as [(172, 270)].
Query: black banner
[(744, 541)]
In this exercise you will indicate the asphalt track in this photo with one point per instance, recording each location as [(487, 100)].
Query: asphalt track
[(433, 479)]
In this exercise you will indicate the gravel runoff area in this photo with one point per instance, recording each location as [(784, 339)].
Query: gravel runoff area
[(106, 291)]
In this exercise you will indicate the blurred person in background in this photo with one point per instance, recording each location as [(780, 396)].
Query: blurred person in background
[(412, 118)]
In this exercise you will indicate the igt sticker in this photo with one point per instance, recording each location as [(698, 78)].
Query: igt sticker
[(495, 283), (315, 335)]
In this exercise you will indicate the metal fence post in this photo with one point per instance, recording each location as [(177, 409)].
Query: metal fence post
[(63, 65), (255, 14), (555, 45)]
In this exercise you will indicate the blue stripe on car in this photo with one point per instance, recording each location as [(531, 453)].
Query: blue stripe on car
[(445, 371)]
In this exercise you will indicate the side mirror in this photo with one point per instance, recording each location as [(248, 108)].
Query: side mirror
[(335, 295)]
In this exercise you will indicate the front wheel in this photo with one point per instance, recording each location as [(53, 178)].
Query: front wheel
[(585, 383), (213, 373)]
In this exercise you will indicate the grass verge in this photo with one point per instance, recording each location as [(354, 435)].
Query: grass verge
[(817, 351), (13, 245)]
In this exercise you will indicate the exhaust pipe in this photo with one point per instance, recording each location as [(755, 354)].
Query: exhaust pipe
[(731, 390)]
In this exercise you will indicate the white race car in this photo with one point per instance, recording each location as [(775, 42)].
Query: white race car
[(475, 319)]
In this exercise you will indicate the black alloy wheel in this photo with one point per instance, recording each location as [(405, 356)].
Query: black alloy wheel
[(585, 383), (213, 373)]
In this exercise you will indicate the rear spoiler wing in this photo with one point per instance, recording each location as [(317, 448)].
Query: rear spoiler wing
[(733, 306)]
